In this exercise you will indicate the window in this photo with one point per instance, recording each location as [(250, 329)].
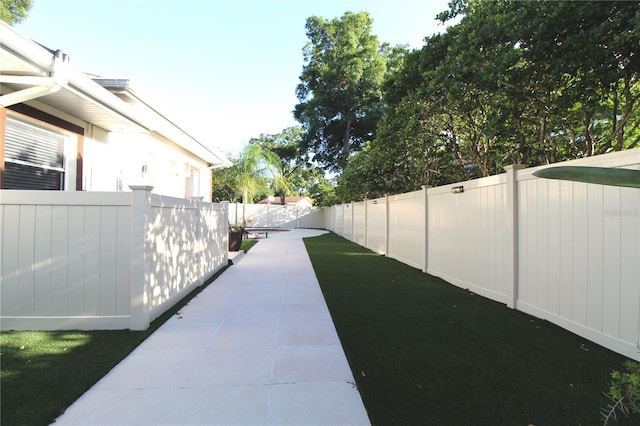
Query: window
[(192, 182), (34, 157)]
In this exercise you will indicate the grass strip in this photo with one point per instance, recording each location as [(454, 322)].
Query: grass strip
[(247, 244), (424, 352), (44, 372)]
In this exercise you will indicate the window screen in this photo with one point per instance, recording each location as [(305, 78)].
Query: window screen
[(33, 157)]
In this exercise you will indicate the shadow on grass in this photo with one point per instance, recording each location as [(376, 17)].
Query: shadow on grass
[(424, 352), (43, 373)]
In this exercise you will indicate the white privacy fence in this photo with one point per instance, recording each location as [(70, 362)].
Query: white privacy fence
[(91, 260), (567, 252), (276, 216)]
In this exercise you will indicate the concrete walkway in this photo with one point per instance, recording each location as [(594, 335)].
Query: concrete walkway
[(256, 347)]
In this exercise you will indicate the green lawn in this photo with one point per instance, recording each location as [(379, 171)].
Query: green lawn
[(424, 352)]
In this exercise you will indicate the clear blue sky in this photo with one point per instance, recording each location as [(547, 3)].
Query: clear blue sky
[(226, 70)]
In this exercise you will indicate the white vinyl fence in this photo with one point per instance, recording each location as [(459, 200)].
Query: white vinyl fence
[(567, 252), (276, 216), (95, 260)]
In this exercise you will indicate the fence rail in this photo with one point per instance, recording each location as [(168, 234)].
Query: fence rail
[(567, 252), (89, 260)]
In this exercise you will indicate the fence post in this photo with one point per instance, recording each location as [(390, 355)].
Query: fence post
[(366, 223), (353, 223), (512, 235), (386, 225), (140, 217), (425, 241)]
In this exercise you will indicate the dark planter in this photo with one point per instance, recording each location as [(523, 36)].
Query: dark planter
[(235, 240)]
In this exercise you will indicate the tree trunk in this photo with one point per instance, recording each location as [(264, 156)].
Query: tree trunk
[(346, 145)]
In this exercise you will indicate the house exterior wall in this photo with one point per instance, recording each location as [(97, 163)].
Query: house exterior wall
[(116, 160), (98, 160)]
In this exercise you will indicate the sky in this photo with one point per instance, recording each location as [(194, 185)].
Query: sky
[(224, 70)]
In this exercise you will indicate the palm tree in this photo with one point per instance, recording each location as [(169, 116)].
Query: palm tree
[(256, 165)]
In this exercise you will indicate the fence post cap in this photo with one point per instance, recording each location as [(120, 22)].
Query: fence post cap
[(141, 187), (515, 167)]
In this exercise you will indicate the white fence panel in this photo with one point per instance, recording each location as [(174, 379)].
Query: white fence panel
[(359, 223), (170, 248), (276, 216), (310, 218), (407, 228), (579, 263), (212, 241), (338, 219), (68, 258), (347, 218), (466, 238), (564, 251), (377, 225), (64, 255)]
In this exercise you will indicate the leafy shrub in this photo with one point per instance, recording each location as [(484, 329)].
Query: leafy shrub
[(624, 392)]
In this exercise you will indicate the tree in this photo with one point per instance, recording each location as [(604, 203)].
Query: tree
[(225, 183), (320, 189), (297, 174), (14, 11), (513, 82), (249, 177), (340, 91), (567, 73), (292, 160)]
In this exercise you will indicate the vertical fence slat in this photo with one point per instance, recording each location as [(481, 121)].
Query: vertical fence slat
[(108, 266), (580, 252), (554, 248), (630, 266), (10, 256), (75, 263), (60, 260), (612, 246), (123, 261), (26, 291), (42, 261), (595, 273), (91, 261), (566, 254)]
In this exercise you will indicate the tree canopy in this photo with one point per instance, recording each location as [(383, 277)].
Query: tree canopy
[(340, 90), (513, 82), (14, 11), (273, 165)]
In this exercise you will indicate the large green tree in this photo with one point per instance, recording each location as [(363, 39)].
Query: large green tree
[(14, 11), (340, 90), (512, 82)]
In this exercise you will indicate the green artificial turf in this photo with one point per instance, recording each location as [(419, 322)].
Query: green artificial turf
[(247, 244), (424, 352), (42, 373)]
